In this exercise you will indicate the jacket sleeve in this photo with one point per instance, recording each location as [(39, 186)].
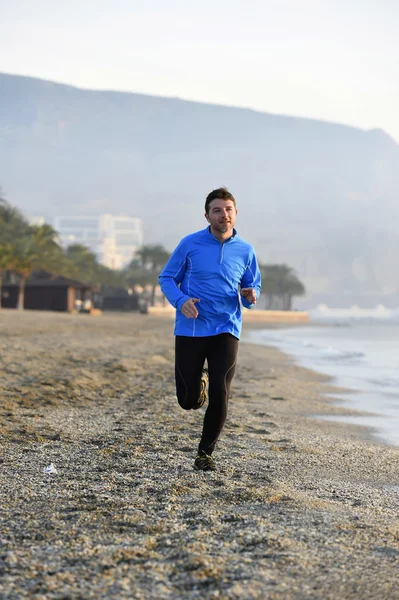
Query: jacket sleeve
[(172, 274), (251, 279)]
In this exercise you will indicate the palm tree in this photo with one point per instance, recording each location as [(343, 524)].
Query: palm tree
[(12, 223), (142, 258), (159, 257), (151, 257), (26, 259), (2, 198), (13, 230), (38, 249), (280, 283), (146, 266), (7, 260), (83, 263), (50, 254)]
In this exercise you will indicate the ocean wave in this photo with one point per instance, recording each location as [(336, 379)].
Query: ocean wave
[(340, 355), (331, 353), (311, 350), (389, 382)]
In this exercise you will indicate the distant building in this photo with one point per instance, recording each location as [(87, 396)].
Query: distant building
[(114, 240), (39, 221)]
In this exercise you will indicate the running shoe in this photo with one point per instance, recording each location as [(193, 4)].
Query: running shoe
[(203, 397), (204, 462)]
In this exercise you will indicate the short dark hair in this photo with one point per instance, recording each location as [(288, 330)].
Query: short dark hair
[(222, 194)]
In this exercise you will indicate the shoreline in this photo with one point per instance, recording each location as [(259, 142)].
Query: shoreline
[(298, 508), (325, 398), (344, 396)]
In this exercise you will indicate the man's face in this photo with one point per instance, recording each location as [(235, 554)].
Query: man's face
[(222, 215)]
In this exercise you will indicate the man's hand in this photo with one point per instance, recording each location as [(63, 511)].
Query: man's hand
[(249, 294), (188, 309)]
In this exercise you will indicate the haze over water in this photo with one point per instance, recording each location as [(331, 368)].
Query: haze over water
[(359, 354)]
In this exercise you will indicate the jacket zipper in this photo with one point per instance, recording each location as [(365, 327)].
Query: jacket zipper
[(221, 254)]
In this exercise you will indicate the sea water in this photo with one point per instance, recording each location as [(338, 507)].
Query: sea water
[(358, 354)]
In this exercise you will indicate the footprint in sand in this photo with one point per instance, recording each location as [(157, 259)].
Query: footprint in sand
[(260, 431), (282, 445)]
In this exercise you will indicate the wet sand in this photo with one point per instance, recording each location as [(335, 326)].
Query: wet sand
[(299, 507)]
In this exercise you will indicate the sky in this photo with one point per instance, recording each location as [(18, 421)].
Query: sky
[(334, 60)]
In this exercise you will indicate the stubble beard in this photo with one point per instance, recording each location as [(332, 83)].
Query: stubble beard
[(224, 227)]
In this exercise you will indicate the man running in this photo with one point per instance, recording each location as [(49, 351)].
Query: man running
[(204, 279)]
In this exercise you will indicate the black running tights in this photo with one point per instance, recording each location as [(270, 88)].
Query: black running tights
[(221, 353)]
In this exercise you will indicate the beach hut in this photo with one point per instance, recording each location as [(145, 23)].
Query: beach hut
[(119, 299), (46, 293)]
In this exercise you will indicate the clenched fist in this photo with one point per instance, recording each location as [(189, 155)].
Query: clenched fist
[(249, 294), (188, 309)]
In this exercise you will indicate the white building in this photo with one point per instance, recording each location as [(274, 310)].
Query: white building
[(38, 221), (112, 239)]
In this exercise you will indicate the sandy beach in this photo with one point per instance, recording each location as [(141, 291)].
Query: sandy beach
[(299, 508)]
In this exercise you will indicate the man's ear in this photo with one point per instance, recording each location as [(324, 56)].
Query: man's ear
[(206, 217)]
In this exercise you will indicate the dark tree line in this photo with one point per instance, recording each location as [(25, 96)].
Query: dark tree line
[(26, 249)]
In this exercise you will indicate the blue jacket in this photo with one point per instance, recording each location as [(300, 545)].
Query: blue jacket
[(202, 267)]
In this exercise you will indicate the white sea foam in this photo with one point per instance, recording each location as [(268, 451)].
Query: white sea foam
[(360, 354)]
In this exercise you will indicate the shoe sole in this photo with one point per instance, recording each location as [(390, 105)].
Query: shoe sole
[(204, 470), (203, 393)]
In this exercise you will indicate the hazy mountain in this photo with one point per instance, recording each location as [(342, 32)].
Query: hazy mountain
[(320, 196)]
